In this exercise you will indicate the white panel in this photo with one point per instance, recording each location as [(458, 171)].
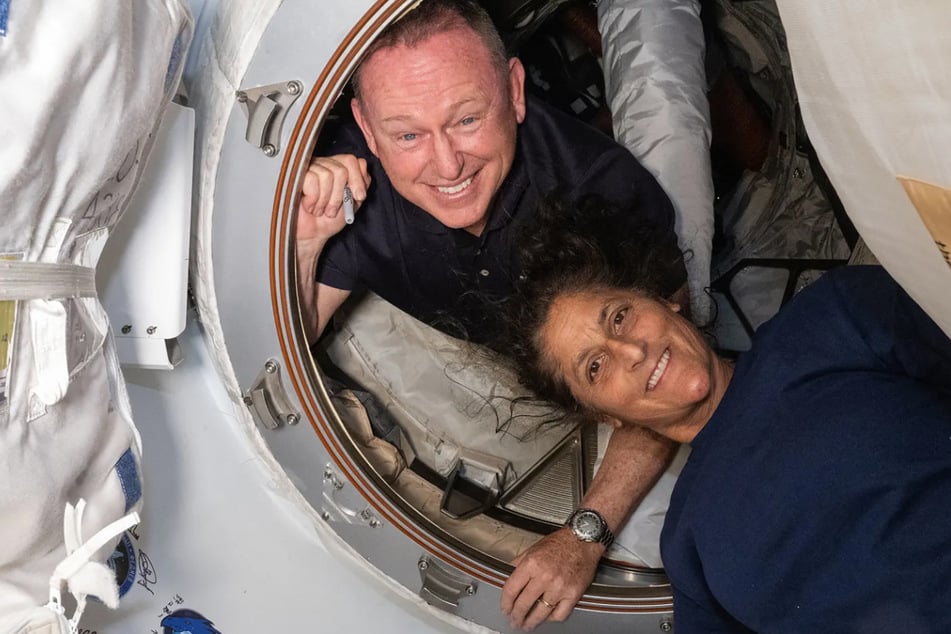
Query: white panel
[(143, 272)]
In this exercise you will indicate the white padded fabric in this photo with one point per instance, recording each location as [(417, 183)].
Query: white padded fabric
[(656, 89), (875, 91)]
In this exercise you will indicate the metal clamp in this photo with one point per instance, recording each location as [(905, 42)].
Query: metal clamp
[(443, 587), (268, 399), (334, 508), (266, 108)]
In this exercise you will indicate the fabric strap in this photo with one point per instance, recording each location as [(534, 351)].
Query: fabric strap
[(44, 280)]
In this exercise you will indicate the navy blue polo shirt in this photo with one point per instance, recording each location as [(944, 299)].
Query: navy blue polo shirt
[(445, 276)]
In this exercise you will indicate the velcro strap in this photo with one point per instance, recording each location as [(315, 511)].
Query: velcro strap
[(45, 280)]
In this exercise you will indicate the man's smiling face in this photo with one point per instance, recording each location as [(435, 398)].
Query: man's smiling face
[(442, 119)]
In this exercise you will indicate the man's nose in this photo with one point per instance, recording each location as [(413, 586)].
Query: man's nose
[(630, 352), (447, 159)]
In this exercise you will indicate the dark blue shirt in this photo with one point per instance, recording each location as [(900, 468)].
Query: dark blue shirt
[(818, 496), (444, 276)]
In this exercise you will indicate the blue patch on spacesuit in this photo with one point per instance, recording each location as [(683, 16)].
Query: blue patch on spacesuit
[(129, 479), (4, 14), (123, 564)]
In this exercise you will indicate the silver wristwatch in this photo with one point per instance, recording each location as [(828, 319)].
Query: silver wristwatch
[(589, 526)]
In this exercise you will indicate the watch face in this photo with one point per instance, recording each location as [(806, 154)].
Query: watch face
[(587, 526)]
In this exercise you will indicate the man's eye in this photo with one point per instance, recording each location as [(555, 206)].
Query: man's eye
[(468, 121), (593, 368), (409, 136)]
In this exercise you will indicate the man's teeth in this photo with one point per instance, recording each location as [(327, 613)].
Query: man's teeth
[(659, 370), (456, 188)]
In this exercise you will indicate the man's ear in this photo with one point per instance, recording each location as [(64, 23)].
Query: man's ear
[(357, 109), (517, 87)]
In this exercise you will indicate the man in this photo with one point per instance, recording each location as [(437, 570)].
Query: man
[(449, 158)]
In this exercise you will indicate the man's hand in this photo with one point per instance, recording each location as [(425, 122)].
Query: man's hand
[(321, 216), (321, 206), (549, 579)]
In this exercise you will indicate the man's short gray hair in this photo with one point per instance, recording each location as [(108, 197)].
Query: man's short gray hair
[(432, 17)]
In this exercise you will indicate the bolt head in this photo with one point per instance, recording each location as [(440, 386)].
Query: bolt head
[(374, 523), (151, 330), (293, 419), (470, 590), (269, 150), (294, 87), (423, 564), (126, 329), (666, 626), (270, 367)]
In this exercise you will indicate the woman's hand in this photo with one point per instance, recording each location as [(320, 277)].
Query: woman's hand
[(549, 579)]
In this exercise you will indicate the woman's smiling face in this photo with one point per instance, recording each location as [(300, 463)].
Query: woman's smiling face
[(629, 357)]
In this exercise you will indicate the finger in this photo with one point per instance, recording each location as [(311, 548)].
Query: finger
[(539, 613), (562, 610), (526, 603), (357, 175), (333, 180), (310, 189), (512, 588)]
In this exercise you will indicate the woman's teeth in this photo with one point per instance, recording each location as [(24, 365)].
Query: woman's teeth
[(456, 188), (659, 370)]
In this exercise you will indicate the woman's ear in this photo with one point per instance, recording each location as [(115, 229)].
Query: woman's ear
[(604, 419)]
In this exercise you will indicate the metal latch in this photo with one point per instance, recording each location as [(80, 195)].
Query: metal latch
[(474, 484), (268, 400), (266, 107), (443, 587)]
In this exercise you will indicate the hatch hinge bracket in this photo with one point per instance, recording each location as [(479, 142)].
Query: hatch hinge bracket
[(268, 399), (266, 107), (443, 587)]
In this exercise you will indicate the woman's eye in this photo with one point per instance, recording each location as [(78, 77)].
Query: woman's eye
[(619, 318), (593, 368), (468, 121)]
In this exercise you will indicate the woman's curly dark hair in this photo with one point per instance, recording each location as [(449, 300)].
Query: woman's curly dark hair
[(571, 246)]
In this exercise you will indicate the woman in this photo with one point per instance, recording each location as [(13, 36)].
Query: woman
[(817, 496)]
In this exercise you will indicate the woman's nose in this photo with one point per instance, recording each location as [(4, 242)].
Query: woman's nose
[(630, 352), (448, 161)]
